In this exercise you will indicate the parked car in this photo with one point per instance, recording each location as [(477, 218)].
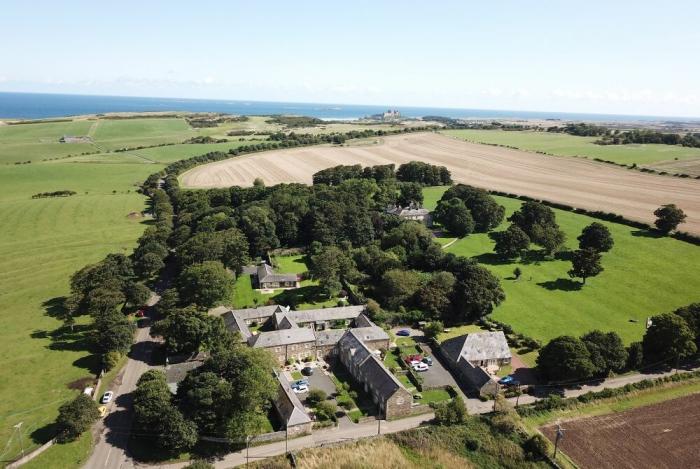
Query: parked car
[(102, 410), (506, 379), (420, 366), (403, 333), (300, 389), (428, 361), (414, 362), (413, 358), (307, 371), (301, 382), (140, 313), (107, 397)]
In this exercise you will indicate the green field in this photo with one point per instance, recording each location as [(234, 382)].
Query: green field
[(644, 275), (571, 145), (42, 242)]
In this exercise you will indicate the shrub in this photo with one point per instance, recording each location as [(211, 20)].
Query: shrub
[(504, 423), (75, 417), (450, 413), (536, 447), (111, 359), (315, 396), (325, 411), (472, 444)]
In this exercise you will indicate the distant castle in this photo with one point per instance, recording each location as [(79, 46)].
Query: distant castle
[(389, 115)]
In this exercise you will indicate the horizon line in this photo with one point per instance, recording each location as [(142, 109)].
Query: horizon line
[(390, 107)]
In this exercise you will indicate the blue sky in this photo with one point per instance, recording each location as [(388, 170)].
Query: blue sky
[(622, 57)]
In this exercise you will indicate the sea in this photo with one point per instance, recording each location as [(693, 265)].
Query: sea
[(44, 106)]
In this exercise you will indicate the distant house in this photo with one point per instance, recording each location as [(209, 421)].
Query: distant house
[(365, 365), (267, 279), (291, 410), (472, 356), (419, 214), (177, 367)]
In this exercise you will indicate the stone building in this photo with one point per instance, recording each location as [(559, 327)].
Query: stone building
[(366, 367), (290, 409), (476, 357)]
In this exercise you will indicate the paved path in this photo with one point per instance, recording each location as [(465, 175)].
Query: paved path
[(110, 451), (318, 438), (475, 406)]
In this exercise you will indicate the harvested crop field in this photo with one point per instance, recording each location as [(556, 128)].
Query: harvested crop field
[(572, 181), (665, 435)]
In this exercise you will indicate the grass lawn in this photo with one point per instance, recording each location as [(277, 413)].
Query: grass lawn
[(405, 381), (244, 294), (291, 264), (297, 375), (391, 360), (644, 275), (434, 395), (457, 331), (571, 145)]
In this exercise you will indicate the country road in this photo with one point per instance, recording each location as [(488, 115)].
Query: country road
[(369, 429), (110, 451)]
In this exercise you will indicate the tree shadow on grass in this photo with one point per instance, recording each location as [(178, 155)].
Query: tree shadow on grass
[(564, 256), (563, 284), (54, 307), (297, 296), (491, 258), (647, 234), (43, 434)]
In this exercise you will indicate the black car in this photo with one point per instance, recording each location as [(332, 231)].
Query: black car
[(307, 371)]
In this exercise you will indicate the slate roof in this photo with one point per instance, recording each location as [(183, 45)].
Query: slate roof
[(254, 313), (297, 335), (326, 314), (477, 375), (328, 337), (177, 366), (234, 323), (369, 367), (408, 212), (478, 346), (294, 414), (370, 333), (267, 274), (362, 321)]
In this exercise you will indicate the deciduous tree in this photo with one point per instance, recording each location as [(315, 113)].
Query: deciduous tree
[(668, 217), (585, 263), (596, 236)]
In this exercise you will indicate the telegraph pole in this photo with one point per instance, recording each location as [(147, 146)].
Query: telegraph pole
[(560, 435), (247, 445), (286, 439)]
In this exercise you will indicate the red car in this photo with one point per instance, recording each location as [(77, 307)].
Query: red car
[(140, 313), (411, 358)]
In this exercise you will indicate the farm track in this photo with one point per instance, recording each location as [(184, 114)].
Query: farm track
[(572, 181)]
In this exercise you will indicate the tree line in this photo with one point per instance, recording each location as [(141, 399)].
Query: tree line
[(671, 337), (624, 137), (64, 193)]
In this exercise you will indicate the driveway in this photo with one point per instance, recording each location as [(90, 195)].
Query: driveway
[(437, 375), (320, 380)]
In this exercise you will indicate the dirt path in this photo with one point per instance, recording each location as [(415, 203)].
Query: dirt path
[(572, 181)]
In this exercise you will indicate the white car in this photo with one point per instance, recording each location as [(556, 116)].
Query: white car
[(415, 362), (107, 397), (420, 366), (300, 389)]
